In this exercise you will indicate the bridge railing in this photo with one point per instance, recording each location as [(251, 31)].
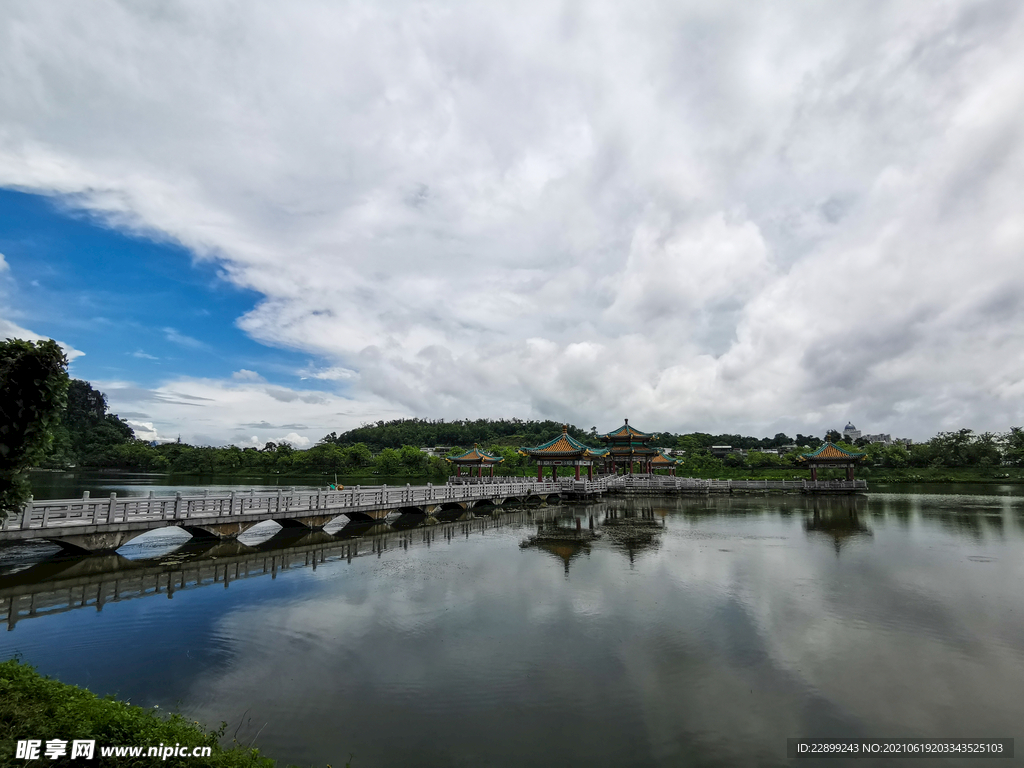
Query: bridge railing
[(290, 502), (662, 482)]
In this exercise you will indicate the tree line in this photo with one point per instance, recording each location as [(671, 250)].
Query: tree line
[(48, 420)]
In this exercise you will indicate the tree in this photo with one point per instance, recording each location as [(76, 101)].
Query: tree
[(808, 440), (1013, 446), (87, 434), (895, 456), (388, 462), (833, 436), (33, 392)]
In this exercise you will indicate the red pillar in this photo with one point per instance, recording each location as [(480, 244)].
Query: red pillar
[(577, 471), (458, 470), (849, 473), (554, 473), (480, 470), (492, 471), (590, 472), (540, 473), (814, 474)]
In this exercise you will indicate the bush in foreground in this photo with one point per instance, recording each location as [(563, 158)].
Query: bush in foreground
[(36, 707)]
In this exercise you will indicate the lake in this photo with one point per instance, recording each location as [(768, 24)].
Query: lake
[(664, 631)]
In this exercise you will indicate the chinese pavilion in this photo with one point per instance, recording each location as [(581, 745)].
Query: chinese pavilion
[(474, 458), (663, 461), (627, 446), (831, 456), (563, 451)]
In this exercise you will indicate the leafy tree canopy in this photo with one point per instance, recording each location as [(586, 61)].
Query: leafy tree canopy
[(33, 392)]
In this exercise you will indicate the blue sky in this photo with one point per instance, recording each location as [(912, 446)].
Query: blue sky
[(703, 216), (143, 309)]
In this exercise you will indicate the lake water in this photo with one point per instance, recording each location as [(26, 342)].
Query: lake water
[(683, 631)]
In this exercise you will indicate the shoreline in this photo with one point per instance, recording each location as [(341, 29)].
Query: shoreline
[(38, 707)]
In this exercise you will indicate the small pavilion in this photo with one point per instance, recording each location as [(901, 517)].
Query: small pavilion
[(830, 456), (474, 457), (663, 461), (627, 446), (563, 451)]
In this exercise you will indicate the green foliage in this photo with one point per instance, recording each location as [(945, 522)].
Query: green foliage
[(388, 462), (427, 432), (700, 463), (36, 707), (33, 391), (89, 436), (1014, 446)]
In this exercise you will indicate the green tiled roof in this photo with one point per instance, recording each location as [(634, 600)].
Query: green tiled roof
[(475, 456), (625, 431), (830, 451), (562, 445)]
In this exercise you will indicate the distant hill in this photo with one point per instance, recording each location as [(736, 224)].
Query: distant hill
[(463, 433)]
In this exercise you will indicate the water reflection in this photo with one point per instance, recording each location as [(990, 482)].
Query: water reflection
[(838, 518), (562, 536), (712, 628), (634, 528), (65, 581)]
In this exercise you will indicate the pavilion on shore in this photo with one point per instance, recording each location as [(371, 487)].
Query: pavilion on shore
[(663, 461), (831, 456), (474, 457), (563, 451), (628, 446)]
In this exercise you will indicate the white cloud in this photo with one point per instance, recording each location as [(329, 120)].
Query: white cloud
[(144, 430), (296, 440), (9, 330), (218, 412), (246, 375), (702, 216), (176, 337)]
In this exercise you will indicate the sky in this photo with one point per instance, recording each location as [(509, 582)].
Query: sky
[(253, 222)]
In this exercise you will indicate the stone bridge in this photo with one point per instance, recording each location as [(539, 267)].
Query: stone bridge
[(105, 524)]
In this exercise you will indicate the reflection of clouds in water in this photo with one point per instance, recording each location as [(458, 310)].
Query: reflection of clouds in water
[(775, 636)]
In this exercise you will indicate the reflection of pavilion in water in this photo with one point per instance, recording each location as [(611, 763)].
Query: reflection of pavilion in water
[(632, 527), (564, 537), (836, 517)]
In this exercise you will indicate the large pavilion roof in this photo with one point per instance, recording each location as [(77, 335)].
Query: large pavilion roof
[(562, 446), (831, 452), (662, 459), (475, 456), (626, 432)]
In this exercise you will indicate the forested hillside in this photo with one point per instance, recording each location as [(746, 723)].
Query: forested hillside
[(464, 432), (86, 433)]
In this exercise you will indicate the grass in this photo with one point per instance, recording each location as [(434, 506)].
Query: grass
[(36, 707)]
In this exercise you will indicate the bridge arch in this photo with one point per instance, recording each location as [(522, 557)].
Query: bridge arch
[(93, 542)]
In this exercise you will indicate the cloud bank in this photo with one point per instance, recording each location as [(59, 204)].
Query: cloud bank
[(709, 216)]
